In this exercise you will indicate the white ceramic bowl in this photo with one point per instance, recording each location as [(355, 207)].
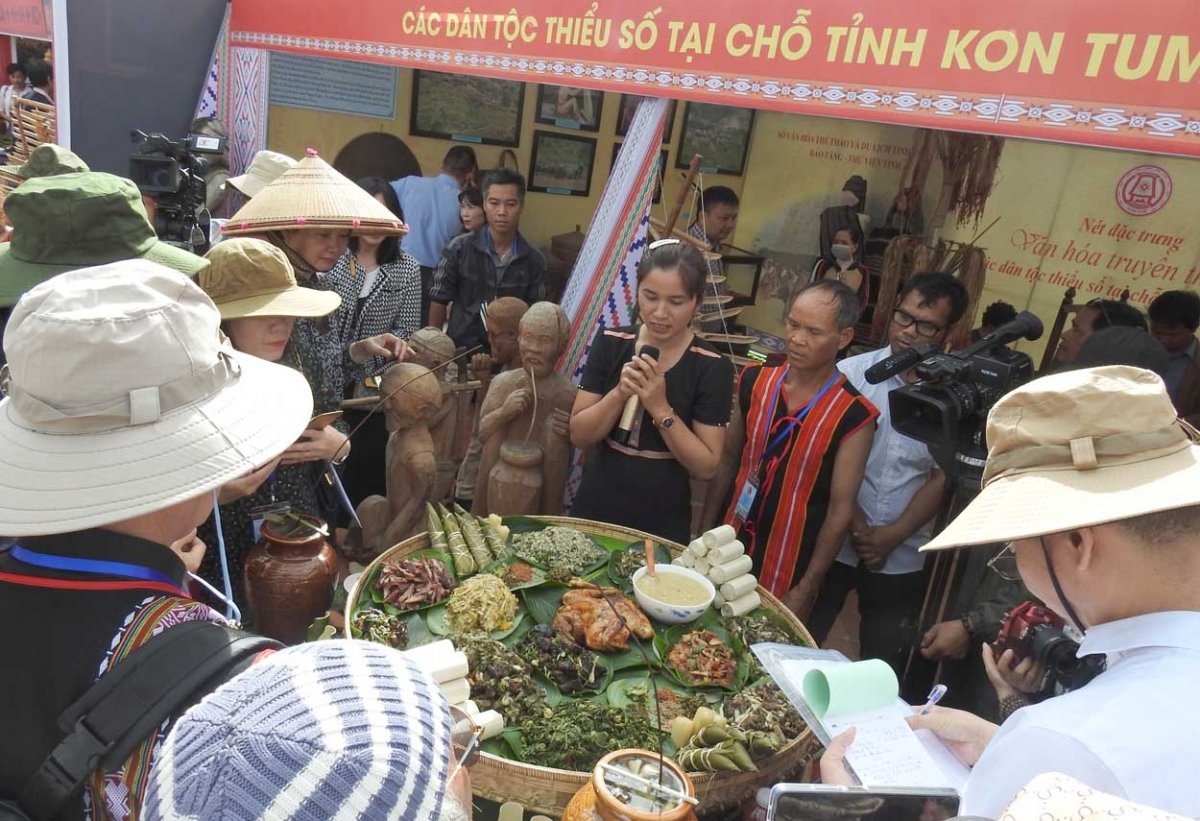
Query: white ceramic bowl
[(673, 613)]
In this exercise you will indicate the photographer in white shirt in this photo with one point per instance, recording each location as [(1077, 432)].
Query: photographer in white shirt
[(1097, 485)]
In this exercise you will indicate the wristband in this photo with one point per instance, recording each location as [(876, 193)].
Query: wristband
[(967, 624)]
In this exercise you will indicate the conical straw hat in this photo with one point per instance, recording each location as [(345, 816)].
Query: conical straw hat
[(313, 195)]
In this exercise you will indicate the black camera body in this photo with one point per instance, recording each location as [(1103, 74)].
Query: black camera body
[(172, 171), (947, 410)]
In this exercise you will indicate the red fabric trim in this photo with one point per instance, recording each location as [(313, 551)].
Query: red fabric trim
[(755, 418), (620, 334), (703, 352), (870, 419), (68, 584), (781, 553)]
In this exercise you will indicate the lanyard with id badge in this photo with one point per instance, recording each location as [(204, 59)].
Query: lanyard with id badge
[(750, 489)]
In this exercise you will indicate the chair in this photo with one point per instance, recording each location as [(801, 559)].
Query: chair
[(1065, 309), (33, 124)]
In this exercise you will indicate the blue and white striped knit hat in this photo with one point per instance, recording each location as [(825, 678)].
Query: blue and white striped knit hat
[(328, 730)]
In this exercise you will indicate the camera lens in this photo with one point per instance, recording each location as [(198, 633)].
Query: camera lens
[(1052, 646), (160, 177)]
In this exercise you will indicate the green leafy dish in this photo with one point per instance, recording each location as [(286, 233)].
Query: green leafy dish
[(435, 620), (625, 562), (417, 582), (570, 668), (703, 655), (517, 574), (563, 552)]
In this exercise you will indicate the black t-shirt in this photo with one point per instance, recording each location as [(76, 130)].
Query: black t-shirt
[(641, 485)]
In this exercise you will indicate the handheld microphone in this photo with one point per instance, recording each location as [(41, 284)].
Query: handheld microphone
[(633, 405), (885, 369)]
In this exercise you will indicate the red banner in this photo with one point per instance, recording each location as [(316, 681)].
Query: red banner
[(1103, 72), (24, 18)]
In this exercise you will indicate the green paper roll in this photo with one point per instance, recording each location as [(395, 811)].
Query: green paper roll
[(850, 688)]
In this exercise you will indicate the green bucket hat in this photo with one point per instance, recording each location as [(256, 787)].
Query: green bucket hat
[(71, 221), (48, 160)]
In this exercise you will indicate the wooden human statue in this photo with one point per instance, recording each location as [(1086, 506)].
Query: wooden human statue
[(524, 424), (433, 349), (411, 461), (503, 329)]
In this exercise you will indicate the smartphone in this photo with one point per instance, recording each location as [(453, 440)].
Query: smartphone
[(816, 802), (323, 420)]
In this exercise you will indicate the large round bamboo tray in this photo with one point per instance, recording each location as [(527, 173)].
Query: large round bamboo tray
[(547, 790)]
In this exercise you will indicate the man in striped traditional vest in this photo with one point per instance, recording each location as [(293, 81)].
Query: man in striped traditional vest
[(796, 451)]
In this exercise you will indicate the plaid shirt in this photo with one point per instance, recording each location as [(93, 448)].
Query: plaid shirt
[(467, 276)]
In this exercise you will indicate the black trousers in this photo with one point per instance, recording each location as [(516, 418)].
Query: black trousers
[(889, 607)]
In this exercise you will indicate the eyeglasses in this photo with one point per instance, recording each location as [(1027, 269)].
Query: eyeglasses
[(1101, 306), (926, 329), (1004, 564), (465, 737)]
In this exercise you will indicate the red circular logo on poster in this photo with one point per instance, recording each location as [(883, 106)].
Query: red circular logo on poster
[(1143, 190)]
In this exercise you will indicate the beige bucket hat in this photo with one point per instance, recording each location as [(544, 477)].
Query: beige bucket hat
[(315, 196), (1078, 449), (123, 398), (265, 168), (249, 277)]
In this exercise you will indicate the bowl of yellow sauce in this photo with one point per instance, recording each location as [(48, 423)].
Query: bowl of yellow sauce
[(674, 595)]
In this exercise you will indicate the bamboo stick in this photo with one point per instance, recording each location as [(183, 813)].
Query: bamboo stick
[(684, 191)]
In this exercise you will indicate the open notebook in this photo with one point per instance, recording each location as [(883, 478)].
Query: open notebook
[(834, 694)]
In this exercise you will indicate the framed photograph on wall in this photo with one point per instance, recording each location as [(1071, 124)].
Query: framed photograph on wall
[(720, 134), (570, 107), (466, 108), (629, 104), (561, 164), (658, 172)]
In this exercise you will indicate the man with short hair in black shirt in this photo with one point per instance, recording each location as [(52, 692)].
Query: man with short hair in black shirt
[(482, 266)]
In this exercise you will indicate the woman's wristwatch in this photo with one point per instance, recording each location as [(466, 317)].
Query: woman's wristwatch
[(667, 422)]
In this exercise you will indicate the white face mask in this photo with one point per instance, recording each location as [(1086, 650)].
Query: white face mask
[(844, 254)]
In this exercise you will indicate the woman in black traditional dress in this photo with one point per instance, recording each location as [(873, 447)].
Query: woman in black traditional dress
[(641, 480)]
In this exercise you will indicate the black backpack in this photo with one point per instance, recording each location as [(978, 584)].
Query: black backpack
[(160, 679)]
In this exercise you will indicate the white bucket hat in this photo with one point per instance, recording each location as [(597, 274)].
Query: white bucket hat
[(123, 398), (265, 168), (1079, 449)]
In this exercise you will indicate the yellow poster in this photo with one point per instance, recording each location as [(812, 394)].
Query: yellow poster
[(798, 167), (1094, 219), (1097, 220)]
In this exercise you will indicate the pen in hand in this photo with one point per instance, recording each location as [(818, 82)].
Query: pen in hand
[(935, 695)]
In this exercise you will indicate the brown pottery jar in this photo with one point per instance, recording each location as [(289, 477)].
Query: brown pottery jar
[(595, 801), (290, 580)]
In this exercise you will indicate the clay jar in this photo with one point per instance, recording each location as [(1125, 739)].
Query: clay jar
[(290, 581), (595, 801), (515, 483)]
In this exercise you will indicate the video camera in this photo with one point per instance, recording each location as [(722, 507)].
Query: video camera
[(172, 171), (1030, 630), (948, 410)]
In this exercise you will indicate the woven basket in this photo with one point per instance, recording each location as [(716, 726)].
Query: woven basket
[(547, 790)]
